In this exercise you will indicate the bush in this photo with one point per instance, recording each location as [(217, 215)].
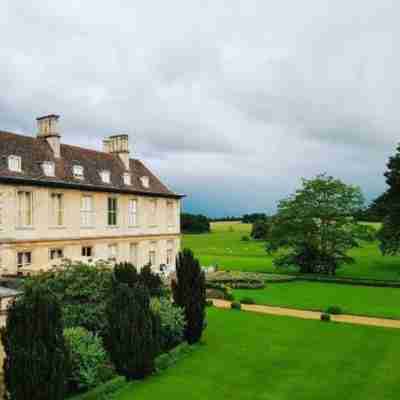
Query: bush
[(209, 303), (166, 360), (325, 317), (172, 323), (189, 292), (245, 238), (229, 294), (152, 281), (335, 310), (89, 366), (36, 358), (235, 305), (247, 300)]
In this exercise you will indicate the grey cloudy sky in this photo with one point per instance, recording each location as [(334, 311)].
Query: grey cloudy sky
[(229, 101)]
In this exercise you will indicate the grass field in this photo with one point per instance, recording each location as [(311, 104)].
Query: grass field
[(361, 300), (223, 247), (256, 357)]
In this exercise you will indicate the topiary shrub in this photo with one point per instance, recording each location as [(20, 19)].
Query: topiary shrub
[(245, 239), (247, 300), (335, 310), (325, 317), (36, 361), (172, 323), (235, 305), (130, 338), (189, 292), (89, 361), (126, 273)]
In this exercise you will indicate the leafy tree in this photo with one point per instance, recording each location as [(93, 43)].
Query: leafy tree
[(189, 291), (82, 291), (260, 229), (36, 363), (316, 228), (194, 223), (130, 336), (126, 273), (251, 218), (389, 235)]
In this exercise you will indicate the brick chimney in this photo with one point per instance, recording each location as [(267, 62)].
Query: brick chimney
[(48, 129), (118, 144)]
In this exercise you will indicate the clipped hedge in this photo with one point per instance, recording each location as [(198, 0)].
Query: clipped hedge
[(107, 391)]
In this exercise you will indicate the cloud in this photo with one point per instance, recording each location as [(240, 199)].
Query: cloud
[(231, 102)]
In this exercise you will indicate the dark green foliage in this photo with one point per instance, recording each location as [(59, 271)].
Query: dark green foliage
[(194, 223), (209, 303), (245, 238), (166, 360), (325, 317), (82, 291), (89, 361), (261, 229), (251, 218), (376, 211), (334, 310), (235, 305), (130, 334), (36, 362), (189, 291), (105, 391), (247, 300), (127, 273), (389, 235), (316, 228)]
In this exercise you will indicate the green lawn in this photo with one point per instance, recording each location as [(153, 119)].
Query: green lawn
[(257, 357), (223, 247), (361, 300)]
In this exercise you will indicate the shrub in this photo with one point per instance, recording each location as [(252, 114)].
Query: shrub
[(235, 305), (325, 317), (88, 359), (247, 300), (172, 323), (130, 333), (215, 293), (126, 273), (189, 292), (229, 294), (152, 281), (245, 238), (36, 358), (82, 291), (166, 360), (335, 310), (209, 303)]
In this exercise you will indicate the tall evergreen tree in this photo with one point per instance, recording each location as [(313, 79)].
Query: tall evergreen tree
[(36, 362), (389, 235), (131, 337), (189, 291)]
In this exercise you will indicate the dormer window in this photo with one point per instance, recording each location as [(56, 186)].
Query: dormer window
[(127, 179), (78, 171), (105, 176), (145, 181), (48, 168), (14, 163)]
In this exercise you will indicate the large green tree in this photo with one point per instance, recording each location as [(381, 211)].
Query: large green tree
[(389, 235), (189, 291), (36, 363), (315, 227)]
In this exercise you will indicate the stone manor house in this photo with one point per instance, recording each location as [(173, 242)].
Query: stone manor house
[(59, 201)]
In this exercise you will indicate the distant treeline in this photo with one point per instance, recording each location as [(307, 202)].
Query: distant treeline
[(376, 211), (191, 223)]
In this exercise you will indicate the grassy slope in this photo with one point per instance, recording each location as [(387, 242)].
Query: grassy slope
[(253, 357), (362, 300), (224, 248)]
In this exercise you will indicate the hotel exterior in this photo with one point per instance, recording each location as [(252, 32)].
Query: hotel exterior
[(59, 201)]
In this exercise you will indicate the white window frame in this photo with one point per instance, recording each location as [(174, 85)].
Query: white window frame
[(58, 253), (127, 179), (170, 213), (112, 211), (153, 254), (87, 211), (57, 209), (170, 252), (15, 163), (113, 251), (145, 180), (133, 253), (78, 171), (84, 251), (49, 168), (24, 215), (132, 212), (24, 259), (105, 176), (153, 212)]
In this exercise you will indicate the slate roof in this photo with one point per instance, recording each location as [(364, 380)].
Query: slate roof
[(34, 151)]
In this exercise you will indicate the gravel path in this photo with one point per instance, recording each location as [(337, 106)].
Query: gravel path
[(305, 314)]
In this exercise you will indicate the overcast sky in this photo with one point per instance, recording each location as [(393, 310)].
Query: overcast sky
[(230, 102)]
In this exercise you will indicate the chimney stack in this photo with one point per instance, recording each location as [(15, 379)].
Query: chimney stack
[(118, 144), (48, 129)]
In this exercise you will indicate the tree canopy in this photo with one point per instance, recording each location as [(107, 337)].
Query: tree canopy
[(316, 226), (194, 223)]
